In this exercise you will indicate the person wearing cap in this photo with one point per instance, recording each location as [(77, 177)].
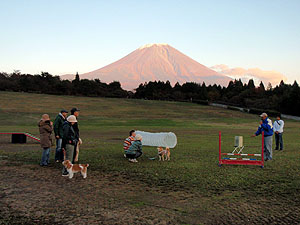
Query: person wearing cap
[(278, 129), (58, 131), (45, 129), (135, 150), (69, 140), (75, 111), (266, 126)]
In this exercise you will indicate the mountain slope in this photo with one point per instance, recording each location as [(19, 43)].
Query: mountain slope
[(155, 62)]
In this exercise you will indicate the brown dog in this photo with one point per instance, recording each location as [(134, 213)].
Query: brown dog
[(75, 168), (164, 154)]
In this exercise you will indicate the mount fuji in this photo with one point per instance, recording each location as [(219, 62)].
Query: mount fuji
[(155, 62)]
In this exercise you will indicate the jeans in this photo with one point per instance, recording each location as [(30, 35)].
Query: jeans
[(268, 148), (134, 156), (45, 157), (279, 141), (58, 152), (74, 153), (69, 154)]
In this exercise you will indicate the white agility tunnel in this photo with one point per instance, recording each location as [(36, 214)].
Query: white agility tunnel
[(163, 139)]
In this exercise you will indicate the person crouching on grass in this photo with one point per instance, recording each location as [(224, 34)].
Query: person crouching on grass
[(266, 126), (69, 140), (135, 150), (45, 129), (128, 141)]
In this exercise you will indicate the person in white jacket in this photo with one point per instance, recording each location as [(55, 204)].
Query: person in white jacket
[(278, 130)]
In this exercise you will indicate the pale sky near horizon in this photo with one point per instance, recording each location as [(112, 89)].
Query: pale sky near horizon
[(67, 36)]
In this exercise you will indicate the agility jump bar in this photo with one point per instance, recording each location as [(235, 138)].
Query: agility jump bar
[(25, 133), (241, 161), (241, 154)]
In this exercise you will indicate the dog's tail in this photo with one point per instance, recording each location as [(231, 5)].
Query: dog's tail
[(87, 165)]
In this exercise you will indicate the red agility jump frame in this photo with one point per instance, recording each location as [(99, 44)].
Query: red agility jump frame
[(241, 161), (24, 133)]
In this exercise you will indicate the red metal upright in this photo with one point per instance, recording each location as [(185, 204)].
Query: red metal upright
[(262, 148), (220, 147)]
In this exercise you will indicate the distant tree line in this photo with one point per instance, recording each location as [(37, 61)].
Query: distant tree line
[(45, 83), (284, 98)]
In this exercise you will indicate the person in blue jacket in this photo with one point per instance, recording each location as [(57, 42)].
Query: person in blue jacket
[(266, 126)]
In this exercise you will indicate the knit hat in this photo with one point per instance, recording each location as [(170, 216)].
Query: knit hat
[(72, 119), (138, 137), (45, 117)]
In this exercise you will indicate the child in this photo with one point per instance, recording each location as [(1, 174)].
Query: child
[(128, 141), (135, 150), (45, 128)]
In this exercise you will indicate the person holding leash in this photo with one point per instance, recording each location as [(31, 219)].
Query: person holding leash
[(75, 112), (69, 140)]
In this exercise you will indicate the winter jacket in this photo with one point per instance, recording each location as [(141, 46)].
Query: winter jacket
[(69, 136), (266, 127), (135, 147), (45, 129), (76, 130), (58, 125), (278, 126)]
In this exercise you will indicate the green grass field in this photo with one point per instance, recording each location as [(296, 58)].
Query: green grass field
[(227, 194)]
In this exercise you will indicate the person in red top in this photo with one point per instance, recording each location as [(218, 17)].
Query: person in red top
[(128, 141)]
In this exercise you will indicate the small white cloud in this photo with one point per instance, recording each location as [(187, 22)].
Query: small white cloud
[(256, 74)]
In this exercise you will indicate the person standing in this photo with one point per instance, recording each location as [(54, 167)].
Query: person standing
[(68, 140), (128, 141), (58, 131), (45, 129), (266, 126), (75, 112), (278, 129)]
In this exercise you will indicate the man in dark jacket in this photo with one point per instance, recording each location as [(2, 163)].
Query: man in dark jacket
[(58, 130), (75, 112)]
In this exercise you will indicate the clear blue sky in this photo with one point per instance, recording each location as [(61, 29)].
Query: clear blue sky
[(70, 35)]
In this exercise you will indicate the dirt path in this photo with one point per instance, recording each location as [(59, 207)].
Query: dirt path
[(30, 194), (34, 195)]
